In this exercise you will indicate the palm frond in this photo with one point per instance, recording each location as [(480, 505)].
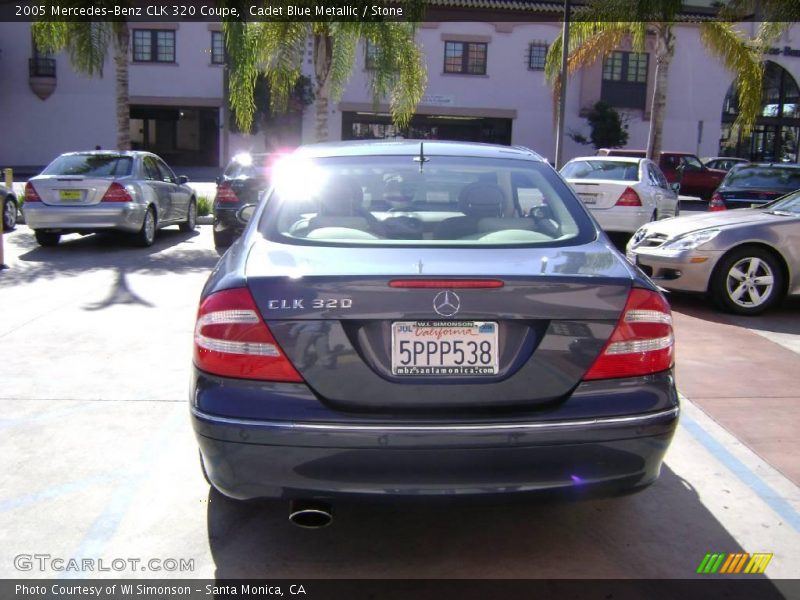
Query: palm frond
[(743, 58)]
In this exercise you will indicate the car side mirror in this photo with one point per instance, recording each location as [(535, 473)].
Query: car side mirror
[(244, 214), (183, 180), (675, 187)]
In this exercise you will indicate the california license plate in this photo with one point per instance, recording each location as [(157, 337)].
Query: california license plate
[(444, 348), (69, 195), (587, 198)]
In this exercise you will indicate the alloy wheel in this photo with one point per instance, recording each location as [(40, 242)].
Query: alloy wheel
[(749, 282)]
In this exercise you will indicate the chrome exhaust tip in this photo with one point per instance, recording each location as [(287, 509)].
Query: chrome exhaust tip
[(310, 514)]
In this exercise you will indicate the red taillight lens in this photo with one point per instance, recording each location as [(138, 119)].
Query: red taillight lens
[(30, 194), (226, 194), (446, 283), (642, 342), (232, 340), (116, 193), (629, 198), (716, 203)]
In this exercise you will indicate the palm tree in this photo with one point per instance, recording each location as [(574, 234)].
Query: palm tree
[(277, 50), (776, 16), (87, 43), (605, 24)]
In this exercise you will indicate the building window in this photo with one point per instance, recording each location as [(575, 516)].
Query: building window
[(153, 45), (465, 57), (625, 79), (537, 54), (370, 56), (217, 48)]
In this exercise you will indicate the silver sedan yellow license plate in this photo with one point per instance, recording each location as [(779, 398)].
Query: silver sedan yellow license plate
[(444, 348)]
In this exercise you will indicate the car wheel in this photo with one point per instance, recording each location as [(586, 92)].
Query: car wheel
[(191, 218), (222, 239), (147, 234), (9, 214), (47, 238), (747, 281)]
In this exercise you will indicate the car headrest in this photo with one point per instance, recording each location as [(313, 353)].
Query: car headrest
[(481, 200)]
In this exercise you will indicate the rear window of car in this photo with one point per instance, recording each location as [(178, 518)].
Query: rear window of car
[(601, 169), (91, 165), (780, 178), (255, 166), (442, 201)]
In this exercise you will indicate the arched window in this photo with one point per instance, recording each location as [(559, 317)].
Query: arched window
[(777, 131)]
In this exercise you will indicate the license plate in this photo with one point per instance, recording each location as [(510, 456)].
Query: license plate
[(69, 195), (444, 348), (588, 198)]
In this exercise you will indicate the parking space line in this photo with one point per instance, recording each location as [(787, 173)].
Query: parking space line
[(105, 525), (753, 481)]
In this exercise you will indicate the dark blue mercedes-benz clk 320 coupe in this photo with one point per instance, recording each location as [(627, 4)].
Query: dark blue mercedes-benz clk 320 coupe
[(427, 318)]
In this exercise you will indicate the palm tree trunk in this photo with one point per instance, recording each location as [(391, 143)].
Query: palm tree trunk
[(322, 70), (123, 101), (665, 49)]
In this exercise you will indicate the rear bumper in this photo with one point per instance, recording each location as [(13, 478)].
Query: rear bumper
[(249, 458), (124, 216), (226, 225), (622, 219)]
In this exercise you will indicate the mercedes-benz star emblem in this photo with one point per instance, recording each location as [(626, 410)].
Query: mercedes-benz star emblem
[(446, 303)]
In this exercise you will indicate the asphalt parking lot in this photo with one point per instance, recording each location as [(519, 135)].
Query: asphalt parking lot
[(99, 461)]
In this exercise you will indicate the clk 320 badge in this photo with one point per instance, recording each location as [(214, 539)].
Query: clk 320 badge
[(316, 303)]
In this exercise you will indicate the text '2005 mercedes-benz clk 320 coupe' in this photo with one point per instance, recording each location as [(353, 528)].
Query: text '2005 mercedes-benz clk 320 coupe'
[(427, 318)]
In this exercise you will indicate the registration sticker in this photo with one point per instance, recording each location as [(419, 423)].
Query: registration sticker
[(445, 348)]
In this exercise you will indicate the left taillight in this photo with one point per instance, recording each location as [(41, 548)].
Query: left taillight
[(231, 339), (642, 342), (716, 203), (31, 195)]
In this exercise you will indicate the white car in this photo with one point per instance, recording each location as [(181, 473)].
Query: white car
[(622, 193), (9, 205)]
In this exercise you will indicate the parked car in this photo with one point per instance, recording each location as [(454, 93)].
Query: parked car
[(622, 193), (89, 192), (746, 259), (10, 208), (242, 182), (680, 167), (461, 344), (754, 184), (724, 163)]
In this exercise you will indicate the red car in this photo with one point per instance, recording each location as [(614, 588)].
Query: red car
[(696, 179)]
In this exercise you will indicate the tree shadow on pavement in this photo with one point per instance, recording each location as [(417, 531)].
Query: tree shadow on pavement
[(661, 532)]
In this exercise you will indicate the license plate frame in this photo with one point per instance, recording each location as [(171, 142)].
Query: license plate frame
[(478, 360), (69, 195), (588, 197)]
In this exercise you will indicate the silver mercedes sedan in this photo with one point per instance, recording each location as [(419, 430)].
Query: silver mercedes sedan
[(746, 259), (88, 192)]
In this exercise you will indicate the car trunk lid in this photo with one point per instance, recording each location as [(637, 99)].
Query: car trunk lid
[(545, 323), (71, 190)]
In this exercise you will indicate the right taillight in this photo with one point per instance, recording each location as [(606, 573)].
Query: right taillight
[(31, 194), (716, 203), (116, 193), (231, 339), (226, 194), (629, 198), (642, 342)]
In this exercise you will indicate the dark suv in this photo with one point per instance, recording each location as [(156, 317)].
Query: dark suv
[(695, 178), (242, 182)]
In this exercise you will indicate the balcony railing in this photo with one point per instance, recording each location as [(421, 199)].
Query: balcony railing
[(42, 67)]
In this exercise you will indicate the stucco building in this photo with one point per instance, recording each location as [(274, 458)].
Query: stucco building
[(485, 83)]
